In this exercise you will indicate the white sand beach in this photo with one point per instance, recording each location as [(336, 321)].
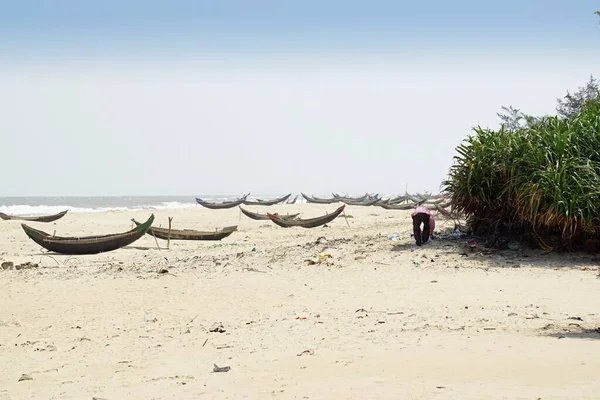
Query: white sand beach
[(382, 320)]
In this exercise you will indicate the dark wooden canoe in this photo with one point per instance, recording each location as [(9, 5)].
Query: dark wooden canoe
[(189, 234), (265, 217), (306, 223), (259, 202), (223, 205), (87, 244), (311, 199), (41, 218)]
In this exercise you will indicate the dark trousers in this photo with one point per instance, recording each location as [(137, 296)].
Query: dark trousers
[(418, 219)]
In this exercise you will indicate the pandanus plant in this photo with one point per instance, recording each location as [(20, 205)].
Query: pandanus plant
[(541, 180)]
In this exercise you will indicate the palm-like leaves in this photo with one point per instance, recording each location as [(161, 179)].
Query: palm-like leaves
[(544, 178)]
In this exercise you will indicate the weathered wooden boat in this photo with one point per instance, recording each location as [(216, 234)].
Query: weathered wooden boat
[(365, 202), (446, 213), (414, 199), (189, 234), (312, 199), (397, 199), (87, 244), (429, 196), (306, 223), (409, 206), (293, 201), (260, 202), (265, 217), (223, 205), (446, 204), (41, 218), (433, 202), (348, 198)]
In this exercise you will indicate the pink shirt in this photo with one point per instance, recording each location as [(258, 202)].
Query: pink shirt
[(425, 210)]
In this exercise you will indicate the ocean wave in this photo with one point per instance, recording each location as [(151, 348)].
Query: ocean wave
[(23, 209)]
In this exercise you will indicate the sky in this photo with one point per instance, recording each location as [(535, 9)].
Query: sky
[(203, 97)]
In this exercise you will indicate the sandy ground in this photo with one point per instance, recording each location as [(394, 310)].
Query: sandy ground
[(384, 321)]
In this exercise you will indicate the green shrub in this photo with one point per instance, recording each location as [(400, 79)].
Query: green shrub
[(541, 180)]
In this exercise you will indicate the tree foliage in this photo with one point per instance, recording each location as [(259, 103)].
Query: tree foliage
[(569, 106)]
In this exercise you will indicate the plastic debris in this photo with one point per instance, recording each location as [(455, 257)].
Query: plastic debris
[(301, 316), (514, 245), (455, 234), (321, 258)]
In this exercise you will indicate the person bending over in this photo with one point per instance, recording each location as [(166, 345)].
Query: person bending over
[(423, 216)]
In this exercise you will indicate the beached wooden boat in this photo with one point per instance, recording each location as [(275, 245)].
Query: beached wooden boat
[(409, 206), (446, 213), (223, 205), (428, 196), (312, 199), (414, 199), (365, 202), (41, 218), (433, 202), (348, 198), (265, 217), (306, 223), (87, 244), (397, 199), (259, 202), (189, 234), (293, 201)]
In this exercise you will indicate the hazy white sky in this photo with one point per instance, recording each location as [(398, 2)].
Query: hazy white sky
[(304, 123), (195, 97)]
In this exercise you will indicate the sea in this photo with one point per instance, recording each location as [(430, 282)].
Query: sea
[(52, 205)]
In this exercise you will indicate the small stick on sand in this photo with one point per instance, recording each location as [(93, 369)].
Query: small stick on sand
[(169, 237), (156, 242), (346, 218)]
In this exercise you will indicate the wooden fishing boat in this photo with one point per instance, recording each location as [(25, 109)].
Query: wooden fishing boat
[(223, 205), (348, 198), (306, 223), (444, 205), (410, 206), (293, 201), (259, 202), (41, 218), (397, 199), (311, 199), (362, 203), (265, 217), (189, 234), (446, 213), (87, 244), (433, 202), (429, 196), (414, 199)]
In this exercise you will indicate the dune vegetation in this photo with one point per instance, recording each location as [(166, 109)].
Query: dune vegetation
[(534, 179)]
